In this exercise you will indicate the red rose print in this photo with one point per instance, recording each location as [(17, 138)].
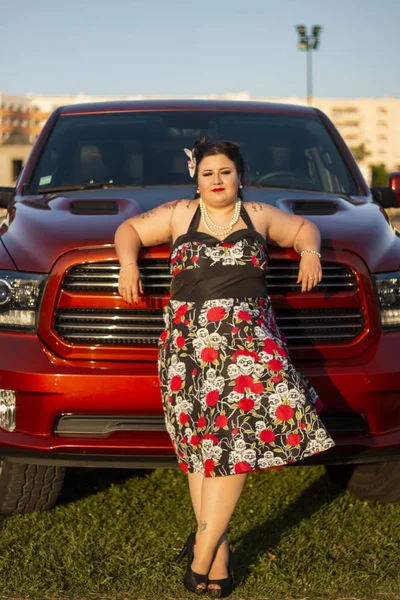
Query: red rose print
[(284, 412), (208, 466), (243, 315), (173, 258), (234, 431), (176, 271), (246, 404), (235, 329), (302, 426), (257, 388), (242, 467), (274, 364), (254, 261), (270, 346), (243, 382), (194, 372), (226, 245), (176, 383), (293, 439), (184, 467), (195, 259), (267, 436), (215, 314), (180, 341), (184, 442), (181, 454), (221, 421), (251, 353), (183, 418), (209, 354), (249, 339), (282, 352), (194, 440), (210, 436), (201, 422), (212, 398), (180, 313), (186, 322), (164, 335), (276, 379)]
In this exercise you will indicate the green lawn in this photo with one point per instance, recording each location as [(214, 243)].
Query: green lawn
[(114, 533)]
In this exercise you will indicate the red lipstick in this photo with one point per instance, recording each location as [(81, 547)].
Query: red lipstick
[(218, 189)]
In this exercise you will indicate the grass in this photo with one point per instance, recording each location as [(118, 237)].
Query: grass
[(114, 532)]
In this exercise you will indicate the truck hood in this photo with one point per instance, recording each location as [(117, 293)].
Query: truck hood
[(39, 229)]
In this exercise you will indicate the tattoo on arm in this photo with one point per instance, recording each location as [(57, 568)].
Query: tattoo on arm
[(257, 206)]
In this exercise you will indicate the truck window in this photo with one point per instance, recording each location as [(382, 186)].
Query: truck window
[(146, 149)]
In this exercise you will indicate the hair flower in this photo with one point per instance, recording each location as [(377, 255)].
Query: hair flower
[(191, 162)]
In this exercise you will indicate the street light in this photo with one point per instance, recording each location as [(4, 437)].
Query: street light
[(309, 43)]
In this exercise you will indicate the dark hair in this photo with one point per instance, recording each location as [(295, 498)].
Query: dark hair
[(204, 147)]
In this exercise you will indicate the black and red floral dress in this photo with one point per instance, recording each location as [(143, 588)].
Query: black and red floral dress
[(232, 399)]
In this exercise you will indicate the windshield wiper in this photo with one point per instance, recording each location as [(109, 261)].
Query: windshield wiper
[(84, 186)]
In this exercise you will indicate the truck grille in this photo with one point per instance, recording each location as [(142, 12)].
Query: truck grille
[(156, 279), (115, 326)]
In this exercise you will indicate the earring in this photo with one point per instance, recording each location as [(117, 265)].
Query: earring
[(197, 191), (240, 186)]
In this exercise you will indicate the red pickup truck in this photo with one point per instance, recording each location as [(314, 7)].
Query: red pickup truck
[(78, 366)]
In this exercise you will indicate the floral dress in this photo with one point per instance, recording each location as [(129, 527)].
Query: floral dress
[(232, 399)]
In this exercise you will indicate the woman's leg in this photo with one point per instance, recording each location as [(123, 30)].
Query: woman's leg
[(214, 500)]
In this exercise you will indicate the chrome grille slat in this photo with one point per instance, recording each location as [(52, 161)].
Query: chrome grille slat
[(156, 279), (98, 326)]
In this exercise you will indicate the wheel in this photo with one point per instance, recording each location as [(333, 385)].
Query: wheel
[(25, 488), (374, 481)]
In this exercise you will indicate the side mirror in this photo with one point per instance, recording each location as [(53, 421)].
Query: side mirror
[(388, 197), (6, 195)]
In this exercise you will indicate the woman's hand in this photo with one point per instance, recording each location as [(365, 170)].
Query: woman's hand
[(310, 272), (129, 283)]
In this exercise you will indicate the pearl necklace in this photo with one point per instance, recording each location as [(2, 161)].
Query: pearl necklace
[(219, 229)]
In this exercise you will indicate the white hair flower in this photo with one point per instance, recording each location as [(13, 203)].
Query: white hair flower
[(192, 162)]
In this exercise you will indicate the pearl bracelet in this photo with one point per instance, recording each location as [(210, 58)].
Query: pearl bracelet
[(312, 251)]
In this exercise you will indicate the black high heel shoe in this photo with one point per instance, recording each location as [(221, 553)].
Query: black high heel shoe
[(191, 580), (225, 585)]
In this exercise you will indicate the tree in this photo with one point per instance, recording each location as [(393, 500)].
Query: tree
[(360, 152), (379, 176)]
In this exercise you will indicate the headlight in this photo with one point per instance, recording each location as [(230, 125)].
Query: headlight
[(388, 288), (20, 296)]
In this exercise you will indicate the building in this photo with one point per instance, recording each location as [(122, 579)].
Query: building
[(370, 126)]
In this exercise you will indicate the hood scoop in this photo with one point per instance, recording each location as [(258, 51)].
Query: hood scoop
[(314, 207), (94, 207)]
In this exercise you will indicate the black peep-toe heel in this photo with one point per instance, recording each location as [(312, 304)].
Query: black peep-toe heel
[(225, 585), (191, 580)]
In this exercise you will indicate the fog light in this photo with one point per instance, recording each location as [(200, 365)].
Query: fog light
[(7, 410)]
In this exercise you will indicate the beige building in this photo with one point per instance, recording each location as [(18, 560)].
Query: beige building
[(372, 122)]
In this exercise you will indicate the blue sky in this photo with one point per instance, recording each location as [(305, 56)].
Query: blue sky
[(189, 48)]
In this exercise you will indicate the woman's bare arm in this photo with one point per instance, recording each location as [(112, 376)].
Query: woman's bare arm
[(293, 231), (151, 228)]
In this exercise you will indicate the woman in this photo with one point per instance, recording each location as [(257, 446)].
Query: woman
[(232, 399)]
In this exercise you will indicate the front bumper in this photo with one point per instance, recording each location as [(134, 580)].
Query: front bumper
[(48, 387)]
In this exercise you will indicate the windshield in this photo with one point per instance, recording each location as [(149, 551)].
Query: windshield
[(146, 149)]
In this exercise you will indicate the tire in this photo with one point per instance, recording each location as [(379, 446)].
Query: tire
[(25, 488), (374, 481)]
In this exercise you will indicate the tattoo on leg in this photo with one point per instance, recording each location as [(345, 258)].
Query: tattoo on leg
[(202, 526)]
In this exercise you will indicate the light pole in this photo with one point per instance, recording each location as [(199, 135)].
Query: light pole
[(309, 43)]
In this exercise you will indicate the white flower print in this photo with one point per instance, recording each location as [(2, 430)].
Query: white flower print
[(320, 435), (245, 364), (198, 466), (234, 397), (240, 445), (233, 371)]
